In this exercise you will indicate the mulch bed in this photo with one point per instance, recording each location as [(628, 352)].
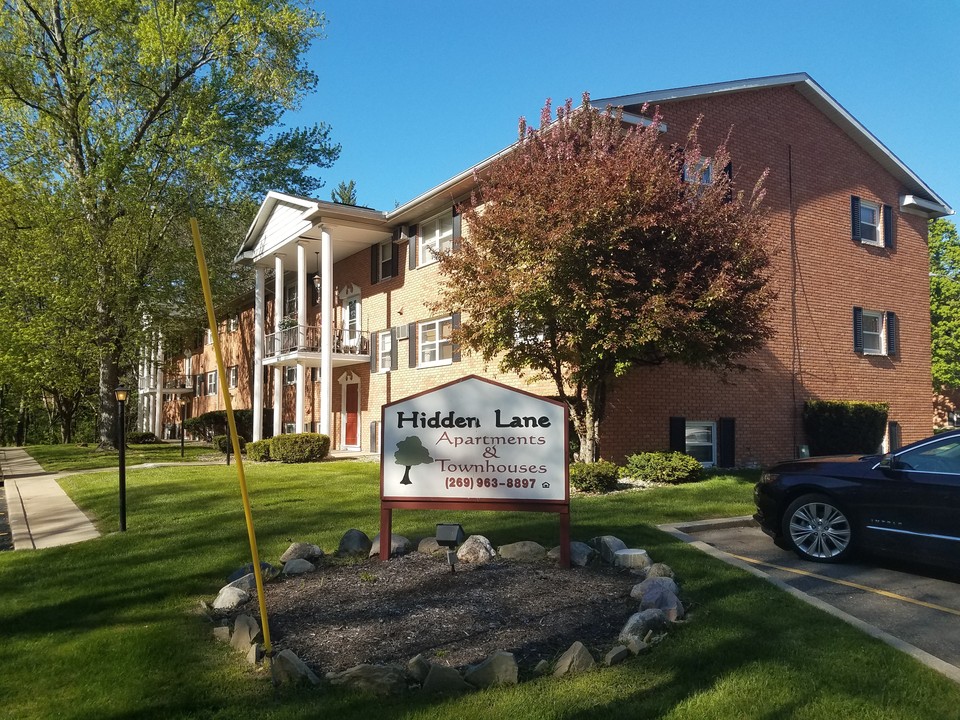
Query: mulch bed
[(348, 613)]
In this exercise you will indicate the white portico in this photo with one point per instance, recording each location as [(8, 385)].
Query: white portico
[(316, 323)]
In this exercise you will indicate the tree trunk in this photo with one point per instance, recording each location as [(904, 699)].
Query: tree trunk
[(109, 377), (21, 434)]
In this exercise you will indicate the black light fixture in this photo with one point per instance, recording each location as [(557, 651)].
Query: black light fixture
[(120, 393), (449, 535), (316, 278)]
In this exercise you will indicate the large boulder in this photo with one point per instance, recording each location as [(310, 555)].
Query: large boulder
[(353, 542), (298, 566), (376, 679), (246, 632), (301, 551), (581, 554), (523, 551), (230, 598), (418, 667), (267, 571), (498, 669), (659, 570), (289, 669), (607, 546), (653, 585), (443, 680), (575, 660), (659, 593), (248, 583), (430, 546), (399, 545), (640, 624), (476, 549)]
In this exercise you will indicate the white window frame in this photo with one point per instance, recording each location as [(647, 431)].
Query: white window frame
[(233, 376), (211, 382), (437, 239), (437, 345), (207, 337), (289, 428), (233, 323), (877, 210), (700, 425), (385, 256), (384, 351), (290, 300), (880, 335), (290, 375)]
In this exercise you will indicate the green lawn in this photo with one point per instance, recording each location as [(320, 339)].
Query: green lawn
[(58, 458), (103, 629)]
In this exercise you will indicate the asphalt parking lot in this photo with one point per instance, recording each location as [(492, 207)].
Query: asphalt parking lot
[(913, 607)]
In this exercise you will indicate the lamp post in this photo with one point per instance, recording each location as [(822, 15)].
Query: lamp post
[(183, 412), (121, 394)]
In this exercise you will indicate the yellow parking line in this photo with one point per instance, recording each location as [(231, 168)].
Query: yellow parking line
[(876, 591)]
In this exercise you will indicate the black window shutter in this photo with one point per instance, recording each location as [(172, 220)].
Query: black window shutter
[(393, 348), (858, 330), (726, 443), (892, 331), (678, 434), (678, 157), (414, 343), (457, 229), (855, 217), (728, 171), (888, 225), (374, 352), (455, 322), (412, 248), (374, 264), (893, 435)]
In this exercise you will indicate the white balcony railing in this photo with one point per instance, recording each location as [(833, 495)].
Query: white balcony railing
[(306, 338)]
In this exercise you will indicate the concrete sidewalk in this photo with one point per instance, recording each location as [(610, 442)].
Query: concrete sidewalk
[(40, 513)]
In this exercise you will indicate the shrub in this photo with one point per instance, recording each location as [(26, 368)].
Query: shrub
[(600, 476), (663, 467), (838, 427), (259, 451), (222, 442), (299, 447), (213, 423), (141, 438)]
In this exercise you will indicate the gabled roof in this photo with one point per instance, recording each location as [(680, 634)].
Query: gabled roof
[(919, 195)]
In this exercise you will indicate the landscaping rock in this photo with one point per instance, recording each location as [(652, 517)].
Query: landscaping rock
[(476, 549), (222, 633), (376, 679), (659, 570), (417, 668), (443, 680), (639, 624), (652, 585), (288, 668), (255, 654), (637, 646), (248, 583), (498, 669), (659, 593), (301, 551), (353, 542), (616, 655), (298, 566), (632, 558), (230, 598), (607, 546), (430, 546), (523, 551), (541, 668), (267, 571), (399, 545), (580, 554), (246, 631), (575, 660)]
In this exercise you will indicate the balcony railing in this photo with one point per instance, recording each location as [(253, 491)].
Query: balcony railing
[(306, 338), (177, 382)]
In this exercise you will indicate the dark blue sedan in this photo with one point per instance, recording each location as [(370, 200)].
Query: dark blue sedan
[(905, 503)]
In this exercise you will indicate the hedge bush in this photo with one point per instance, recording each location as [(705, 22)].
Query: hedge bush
[(663, 467), (142, 438), (222, 442), (299, 447), (600, 476), (213, 423), (259, 451), (840, 427)]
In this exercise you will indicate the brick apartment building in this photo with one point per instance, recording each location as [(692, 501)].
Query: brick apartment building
[(354, 331)]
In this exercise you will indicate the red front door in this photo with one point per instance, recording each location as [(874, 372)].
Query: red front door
[(350, 435)]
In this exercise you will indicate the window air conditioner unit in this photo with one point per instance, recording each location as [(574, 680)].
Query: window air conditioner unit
[(401, 331)]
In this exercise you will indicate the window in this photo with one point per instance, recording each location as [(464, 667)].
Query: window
[(436, 235), (386, 259), (700, 441), (434, 342), (872, 223), (198, 385), (233, 323), (290, 300), (938, 457), (207, 337), (290, 375), (874, 332), (212, 382), (289, 428), (314, 374), (701, 173), (233, 375), (385, 351)]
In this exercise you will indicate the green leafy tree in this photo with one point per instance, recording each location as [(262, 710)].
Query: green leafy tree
[(128, 117), (586, 253), (345, 193), (944, 303)]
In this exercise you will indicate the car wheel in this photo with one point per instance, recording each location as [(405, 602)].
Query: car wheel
[(816, 529)]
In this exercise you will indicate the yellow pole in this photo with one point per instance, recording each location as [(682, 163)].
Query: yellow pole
[(234, 440)]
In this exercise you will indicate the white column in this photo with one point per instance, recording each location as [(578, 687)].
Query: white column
[(259, 317), (141, 386), (326, 331), (158, 411), (301, 331), (277, 369)]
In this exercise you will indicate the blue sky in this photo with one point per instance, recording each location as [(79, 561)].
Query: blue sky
[(419, 91)]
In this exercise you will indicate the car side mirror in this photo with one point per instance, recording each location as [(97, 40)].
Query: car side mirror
[(889, 462)]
